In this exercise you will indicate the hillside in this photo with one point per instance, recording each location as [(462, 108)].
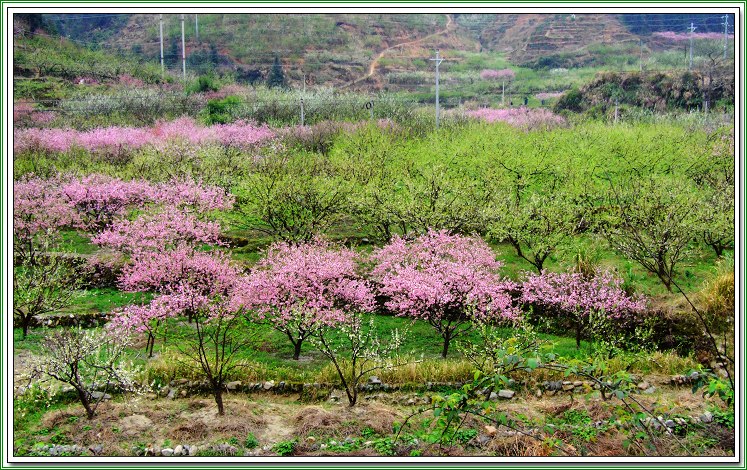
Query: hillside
[(338, 49), (365, 52)]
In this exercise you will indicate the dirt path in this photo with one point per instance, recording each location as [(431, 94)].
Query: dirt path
[(375, 62)]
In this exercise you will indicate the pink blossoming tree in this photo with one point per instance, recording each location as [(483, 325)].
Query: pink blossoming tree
[(159, 231), (577, 295), (300, 288), (446, 280)]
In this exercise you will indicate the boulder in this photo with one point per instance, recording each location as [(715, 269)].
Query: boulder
[(506, 394), (233, 385)]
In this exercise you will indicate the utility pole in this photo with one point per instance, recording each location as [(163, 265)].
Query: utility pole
[(184, 53), (692, 30), (303, 117), (160, 20), (197, 30), (438, 61), (726, 29)]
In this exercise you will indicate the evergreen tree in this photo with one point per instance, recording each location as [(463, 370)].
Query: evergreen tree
[(276, 78), (174, 56)]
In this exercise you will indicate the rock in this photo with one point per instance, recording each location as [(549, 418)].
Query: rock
[(554, 385), (538, 393), (669, 423), (373, 380), (650, 390), (490, 430), (172, 394), (368, 444), (268, 385), (694, 375), (482, 440), (233, 385), (100, 396), (568, 387), (643, 385), (97, 449), (567, 382), (183, 393), (322, 446), (578, 383), (311, 439), (506, 394), (706, 417), (493, 396), (411, 402), (167, 452), (179, 450)]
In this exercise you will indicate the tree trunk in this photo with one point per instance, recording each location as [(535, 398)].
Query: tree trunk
[(718, 248), (578, 335), (149, 345), (447, 340), (218, 392), (25, 324), (297, 349), (352, 396), (83, 396)]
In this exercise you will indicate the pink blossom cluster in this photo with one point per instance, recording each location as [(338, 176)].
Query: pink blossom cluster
[(224, 92), (93, 202), (577, 294), (308, 285), (188, 282), (443, 276), (129, 81), (38, 207), (241, 134), (549, 95), (186, 193), (673, 36), (158, 231), (502, 74), (523, 117), (209, 273), (141, 318), (21, 110), (98, 199)]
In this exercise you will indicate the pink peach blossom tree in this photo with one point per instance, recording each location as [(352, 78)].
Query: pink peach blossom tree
[(576, 296), (446, 280), (299, 288)]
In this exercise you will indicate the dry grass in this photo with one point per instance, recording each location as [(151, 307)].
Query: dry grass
[(314, 419)]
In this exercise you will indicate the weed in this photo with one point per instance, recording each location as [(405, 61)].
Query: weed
[(285, 448), (251, 441), (384, 446)]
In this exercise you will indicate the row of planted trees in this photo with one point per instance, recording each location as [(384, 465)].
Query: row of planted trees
[(308, 291), (537, 193)]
